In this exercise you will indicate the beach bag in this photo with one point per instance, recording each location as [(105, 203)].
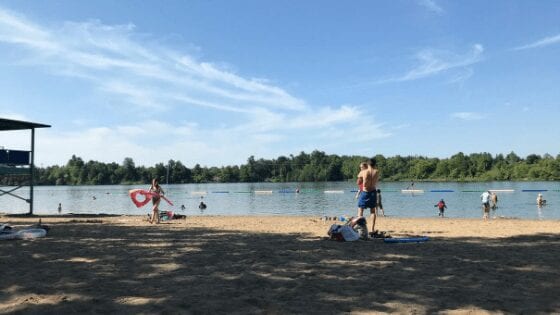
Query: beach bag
[(343, 233)]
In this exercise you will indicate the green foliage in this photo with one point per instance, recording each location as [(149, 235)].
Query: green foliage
[(304, 167)]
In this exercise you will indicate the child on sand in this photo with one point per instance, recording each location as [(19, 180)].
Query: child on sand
[(379, 203), (363, 166)]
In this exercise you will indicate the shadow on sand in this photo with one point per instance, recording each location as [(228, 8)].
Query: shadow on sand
[(106, 268)]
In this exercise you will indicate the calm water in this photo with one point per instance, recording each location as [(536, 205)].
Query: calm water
[(240, 199)]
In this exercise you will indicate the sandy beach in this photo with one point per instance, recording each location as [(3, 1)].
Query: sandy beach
[(279, 265)]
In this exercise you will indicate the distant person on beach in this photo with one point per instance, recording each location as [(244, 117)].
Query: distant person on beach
[(379, 203), (156, 188), (183, 207), (368, 197), (494, 199), (59, 208), (363, 166), (540, 201), (441, 206), (494, 203), (485, 198)]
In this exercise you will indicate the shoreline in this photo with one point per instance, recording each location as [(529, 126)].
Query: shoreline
[(314, 226)]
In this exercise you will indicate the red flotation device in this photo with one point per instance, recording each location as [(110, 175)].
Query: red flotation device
[(135, 195)]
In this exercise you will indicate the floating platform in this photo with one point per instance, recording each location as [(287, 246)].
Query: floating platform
[(442, 190), (334, 191), (199, 192), (501, 190), (534, 190), (220, 192), (263, 191), (412, 191)]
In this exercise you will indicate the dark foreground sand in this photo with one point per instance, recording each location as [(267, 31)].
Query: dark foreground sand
[(280, 265)]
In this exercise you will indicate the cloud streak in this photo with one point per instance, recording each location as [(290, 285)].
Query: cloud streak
[(433, 62), (101, 52), (468, 116), (547, 41), (431, 6)]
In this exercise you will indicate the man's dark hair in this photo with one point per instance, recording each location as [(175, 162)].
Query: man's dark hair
[(372, 162)]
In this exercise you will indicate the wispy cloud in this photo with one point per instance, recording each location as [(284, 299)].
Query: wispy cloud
[(110, 53), (461, 76), (433, 62), (551, 40), (467, 116), (431, 6), (139, 74)]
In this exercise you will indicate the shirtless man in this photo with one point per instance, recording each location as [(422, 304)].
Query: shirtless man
[(368, 198)]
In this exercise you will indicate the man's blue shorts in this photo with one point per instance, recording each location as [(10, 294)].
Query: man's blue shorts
[(367, 199)]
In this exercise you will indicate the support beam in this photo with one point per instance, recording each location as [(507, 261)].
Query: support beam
[(32, 171)]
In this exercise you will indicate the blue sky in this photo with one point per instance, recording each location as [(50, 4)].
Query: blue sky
[(214, 82)]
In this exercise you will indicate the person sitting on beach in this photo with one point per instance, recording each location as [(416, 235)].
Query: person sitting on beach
[(485, 198), (441, 206)]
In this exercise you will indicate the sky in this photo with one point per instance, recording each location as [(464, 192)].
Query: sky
[(214, 82)]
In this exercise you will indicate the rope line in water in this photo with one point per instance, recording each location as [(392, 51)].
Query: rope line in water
[(337, 191)]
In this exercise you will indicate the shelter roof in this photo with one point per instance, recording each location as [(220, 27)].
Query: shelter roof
[(10, 124)]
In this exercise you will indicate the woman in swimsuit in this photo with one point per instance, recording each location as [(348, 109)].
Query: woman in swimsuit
[(157, 192)]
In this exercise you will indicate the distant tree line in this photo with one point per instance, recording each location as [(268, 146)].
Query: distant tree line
[(313, 167)]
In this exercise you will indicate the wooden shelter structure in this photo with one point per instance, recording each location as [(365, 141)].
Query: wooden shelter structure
[(18, 162)]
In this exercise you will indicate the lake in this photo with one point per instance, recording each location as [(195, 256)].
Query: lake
[(516, 199)]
